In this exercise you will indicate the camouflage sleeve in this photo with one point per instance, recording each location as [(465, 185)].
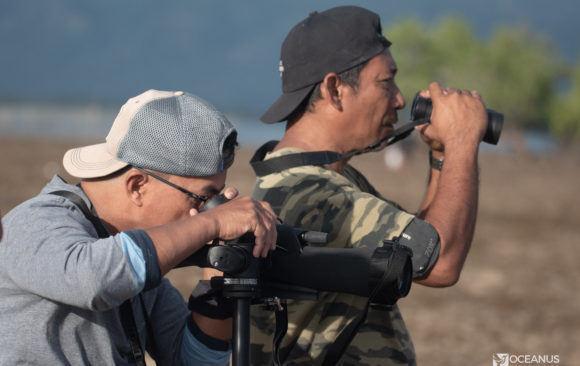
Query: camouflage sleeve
[(318, 199), (333, 205)]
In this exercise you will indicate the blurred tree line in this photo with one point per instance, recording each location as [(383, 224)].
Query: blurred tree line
[(517, 72)]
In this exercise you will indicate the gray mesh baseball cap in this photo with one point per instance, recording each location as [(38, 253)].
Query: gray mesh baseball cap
[(172, 132)]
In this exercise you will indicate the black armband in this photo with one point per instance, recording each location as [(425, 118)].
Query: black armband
[(423, 240)]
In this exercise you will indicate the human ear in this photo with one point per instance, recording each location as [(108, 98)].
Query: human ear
[(135, 186), (331, 90)]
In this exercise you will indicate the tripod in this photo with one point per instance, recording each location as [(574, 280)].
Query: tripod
[(243, 292), (241, 337), (298, 271)]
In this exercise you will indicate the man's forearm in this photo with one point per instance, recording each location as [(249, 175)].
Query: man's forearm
[(451, 207), (177, 240), (432, 184)]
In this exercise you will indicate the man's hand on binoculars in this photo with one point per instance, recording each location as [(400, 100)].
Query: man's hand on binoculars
[(458, 119)]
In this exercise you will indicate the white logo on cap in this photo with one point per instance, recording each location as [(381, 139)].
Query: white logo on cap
[(281, 68)]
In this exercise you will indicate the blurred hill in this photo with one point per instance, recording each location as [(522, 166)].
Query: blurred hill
[(226, 51)]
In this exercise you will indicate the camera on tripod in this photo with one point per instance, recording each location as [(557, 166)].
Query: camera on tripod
[(298, 270)]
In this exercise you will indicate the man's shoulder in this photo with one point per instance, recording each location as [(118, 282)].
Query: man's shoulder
[(301, 177), (319, 198), (44, 207), (303, 187)]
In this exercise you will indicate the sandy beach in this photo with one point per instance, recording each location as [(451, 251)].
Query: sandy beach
[(519, 292)]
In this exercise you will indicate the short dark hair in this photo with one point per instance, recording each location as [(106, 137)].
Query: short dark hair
[(350, 77)]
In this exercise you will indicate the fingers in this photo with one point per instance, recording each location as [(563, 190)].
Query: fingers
[(451, 91), (230, 193), (464, 92), (266, 233), (458, 117), (437, 90), (208, 273), (430, 137), (246, 215), (424, 93)]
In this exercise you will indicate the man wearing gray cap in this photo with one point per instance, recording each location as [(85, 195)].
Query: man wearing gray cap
[(340, 99), (82, 266)]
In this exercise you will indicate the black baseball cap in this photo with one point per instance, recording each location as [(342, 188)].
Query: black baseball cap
[(334, 40)]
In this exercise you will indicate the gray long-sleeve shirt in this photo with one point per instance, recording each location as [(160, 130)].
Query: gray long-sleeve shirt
[(61, 288)]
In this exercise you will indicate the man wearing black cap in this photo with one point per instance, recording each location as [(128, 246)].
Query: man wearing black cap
[(340, 95)]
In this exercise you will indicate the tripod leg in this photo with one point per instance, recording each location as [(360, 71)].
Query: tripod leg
[(241, 341)]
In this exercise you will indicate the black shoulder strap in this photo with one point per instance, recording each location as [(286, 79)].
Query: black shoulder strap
[(127, 317), (91, 216), (339, 346), (275, 165), (130, 328)]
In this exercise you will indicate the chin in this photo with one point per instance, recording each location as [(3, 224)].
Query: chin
[(386, 130)]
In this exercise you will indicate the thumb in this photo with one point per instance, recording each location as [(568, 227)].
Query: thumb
[(435, 90)]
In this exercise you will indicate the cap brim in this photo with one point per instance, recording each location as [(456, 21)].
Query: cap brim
[(93, 161), (285, 105)]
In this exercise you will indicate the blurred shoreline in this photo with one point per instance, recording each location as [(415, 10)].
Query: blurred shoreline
[(74, 121)]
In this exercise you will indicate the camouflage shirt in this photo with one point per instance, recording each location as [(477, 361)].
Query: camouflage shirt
[(352, 212)]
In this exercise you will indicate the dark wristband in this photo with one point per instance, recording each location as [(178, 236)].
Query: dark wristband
[(434, 162)]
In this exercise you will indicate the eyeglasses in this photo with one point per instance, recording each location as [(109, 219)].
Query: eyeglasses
[(190, 194)]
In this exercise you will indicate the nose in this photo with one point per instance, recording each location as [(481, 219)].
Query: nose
[(400, 100)]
